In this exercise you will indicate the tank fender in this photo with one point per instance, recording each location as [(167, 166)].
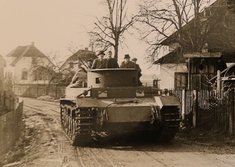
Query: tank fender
[(167, 101), (90, 102)]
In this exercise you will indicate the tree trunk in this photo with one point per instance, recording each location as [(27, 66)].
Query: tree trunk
[(116, 49)]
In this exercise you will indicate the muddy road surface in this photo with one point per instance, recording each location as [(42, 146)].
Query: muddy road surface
[(45, 145)]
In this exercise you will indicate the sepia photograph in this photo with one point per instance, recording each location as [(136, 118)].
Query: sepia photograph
[(117, 83)]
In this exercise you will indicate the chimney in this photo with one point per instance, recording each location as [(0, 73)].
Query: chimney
[(32, 43), (86, 49)]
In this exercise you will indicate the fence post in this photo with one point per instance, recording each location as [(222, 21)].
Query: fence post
[(195, 108), (231, 112), (183, 104), (218, 88)]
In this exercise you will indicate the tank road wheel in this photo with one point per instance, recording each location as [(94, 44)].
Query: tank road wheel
[(67, 122), (63, 116), (77, 123), (83, 122)]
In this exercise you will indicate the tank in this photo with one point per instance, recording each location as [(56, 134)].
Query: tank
[(114, 104)]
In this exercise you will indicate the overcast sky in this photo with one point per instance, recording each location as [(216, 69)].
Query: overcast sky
[(54, 25)]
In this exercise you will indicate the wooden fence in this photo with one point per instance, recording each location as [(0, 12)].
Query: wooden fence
[(224, 112), (37, 90), (203, 109)]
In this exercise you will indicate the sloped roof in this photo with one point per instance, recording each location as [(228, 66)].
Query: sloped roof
[(171, 58), (185, 27), (25, 51), (220, 20), (81, 54), (220, 37), (32, 51)]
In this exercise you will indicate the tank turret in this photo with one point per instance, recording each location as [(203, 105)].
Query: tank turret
[(121, 77)]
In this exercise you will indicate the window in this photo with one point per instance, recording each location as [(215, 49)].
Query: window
[(181, 80), (34, 61), (24, 75), (97, 80)]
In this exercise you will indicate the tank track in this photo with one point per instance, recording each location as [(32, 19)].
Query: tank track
[(170, 125), (78, 124)]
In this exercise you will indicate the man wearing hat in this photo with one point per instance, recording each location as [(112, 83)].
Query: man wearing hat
[(80, 77), (111, 62), (127, 63), (100, 62), (137, 67)]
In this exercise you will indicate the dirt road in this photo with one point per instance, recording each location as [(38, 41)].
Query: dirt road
[(46, 145)]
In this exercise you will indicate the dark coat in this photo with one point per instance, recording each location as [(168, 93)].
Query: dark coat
[(112, 63), (128, 64), (98, 64), (137, 67)]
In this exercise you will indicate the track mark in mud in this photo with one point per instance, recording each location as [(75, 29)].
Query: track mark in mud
[(103, 159), (40, 109), (87, 158), (78, 157), (155, 159)]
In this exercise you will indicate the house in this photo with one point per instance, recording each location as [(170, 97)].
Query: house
[(79, 58), (201, 48), (209, 52), (29, 71), (173, 71), (28, 65), (74, 62)]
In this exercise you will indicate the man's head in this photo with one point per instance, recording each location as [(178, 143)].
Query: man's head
[(134, 60), (127, 57), (101, 55), (109, 54), (89, 63)]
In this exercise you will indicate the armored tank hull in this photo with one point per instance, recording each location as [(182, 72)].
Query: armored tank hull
[(111, 106)]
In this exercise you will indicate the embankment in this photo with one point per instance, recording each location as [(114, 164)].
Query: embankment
[(10, 127)]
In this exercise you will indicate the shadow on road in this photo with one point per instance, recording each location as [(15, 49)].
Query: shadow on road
[(138, 142)]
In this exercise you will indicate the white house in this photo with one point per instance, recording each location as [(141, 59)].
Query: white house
[(173, 71), (28, 65)]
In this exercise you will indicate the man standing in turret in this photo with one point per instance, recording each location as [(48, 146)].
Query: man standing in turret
[(100, 62), (111, 62), (137, 67), (127, 63)]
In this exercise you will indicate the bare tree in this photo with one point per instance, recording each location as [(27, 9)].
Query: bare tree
[(109, 29), (160, 18), (47, 71)]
